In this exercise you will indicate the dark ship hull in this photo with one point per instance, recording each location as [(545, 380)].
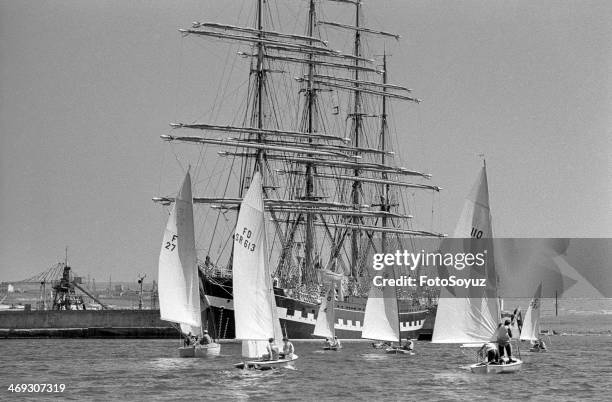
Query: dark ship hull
[(298, 317)]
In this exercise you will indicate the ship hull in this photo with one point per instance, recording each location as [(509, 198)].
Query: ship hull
[(298, 317)]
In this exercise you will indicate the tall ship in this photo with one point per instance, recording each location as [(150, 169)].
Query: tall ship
[(307, 104)]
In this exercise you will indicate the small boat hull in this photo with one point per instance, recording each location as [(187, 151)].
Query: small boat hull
[(265, 364), (187, 351), (210, 350), (538, 350), (213, 349), (486, 368), (336, 348), (398, 351)]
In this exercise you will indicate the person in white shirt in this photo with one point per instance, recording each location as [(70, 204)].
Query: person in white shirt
[(288, 349)]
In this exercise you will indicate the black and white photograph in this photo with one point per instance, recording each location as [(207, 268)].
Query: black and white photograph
[(306, 200)]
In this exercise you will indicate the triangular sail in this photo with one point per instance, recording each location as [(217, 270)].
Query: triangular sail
[(326, 317), (179, 287), (381, 318), (531, 322), (514, 324), (475, 219), (255, 312), (472, 317)]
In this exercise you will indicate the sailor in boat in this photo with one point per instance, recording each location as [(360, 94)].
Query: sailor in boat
[(328, 342), (288, 349), (188, 340), (539, 344), (542, 343), (272, 351), (503, 335), (206, 339), (336, 343), (408, 345), (489, 352)]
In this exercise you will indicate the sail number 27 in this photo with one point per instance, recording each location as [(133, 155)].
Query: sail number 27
[(171, 245), (244, 239)]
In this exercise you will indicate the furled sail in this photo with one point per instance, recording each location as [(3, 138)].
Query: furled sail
[(254, 305), (179, 288), (531, 322), (471, 317)]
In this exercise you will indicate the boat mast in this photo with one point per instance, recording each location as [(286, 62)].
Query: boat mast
[(257, 111), (384, 196), (357, 120)]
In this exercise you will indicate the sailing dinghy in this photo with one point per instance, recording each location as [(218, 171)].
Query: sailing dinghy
[(471, 318), (179, 286), (325, 324), (381, 320), (255, 311), (531, 324)]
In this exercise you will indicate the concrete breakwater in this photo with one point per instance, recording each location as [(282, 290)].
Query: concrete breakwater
[(84, 324)]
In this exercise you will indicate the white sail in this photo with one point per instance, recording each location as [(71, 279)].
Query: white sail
[(326, 318), (475, 218), (179, 287), (471, 317), (531, 321), (254, 305), (381, 318)]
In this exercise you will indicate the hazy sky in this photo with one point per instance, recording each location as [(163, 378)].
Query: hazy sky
[(86, 88)]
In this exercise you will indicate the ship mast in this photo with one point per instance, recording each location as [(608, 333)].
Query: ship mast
[(384, 197), (357, 120), (310, 100), (260, 84)]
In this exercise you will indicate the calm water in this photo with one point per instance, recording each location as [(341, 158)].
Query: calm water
[(578, 368)]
